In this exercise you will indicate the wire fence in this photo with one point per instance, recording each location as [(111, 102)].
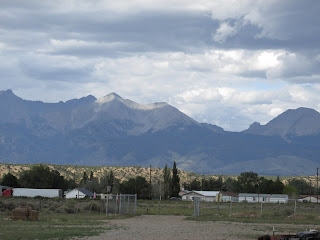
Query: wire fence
[(248, 209), (121, 204)]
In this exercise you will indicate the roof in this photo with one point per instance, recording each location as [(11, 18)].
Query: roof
[(231, 194), (263, 195), (84, 191), (5, 187), (308, 196), (207, 193)]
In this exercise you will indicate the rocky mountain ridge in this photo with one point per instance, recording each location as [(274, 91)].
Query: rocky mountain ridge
[(112, 131)]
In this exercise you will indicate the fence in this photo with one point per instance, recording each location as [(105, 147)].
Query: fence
[(121, 204), (246, 209)]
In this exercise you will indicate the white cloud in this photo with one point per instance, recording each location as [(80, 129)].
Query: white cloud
[(223, 32), (227, 62)]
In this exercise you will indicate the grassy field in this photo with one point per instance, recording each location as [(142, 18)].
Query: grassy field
[(59, 226), (301, 213), (62, 219)]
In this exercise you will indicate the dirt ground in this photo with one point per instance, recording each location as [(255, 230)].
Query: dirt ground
[(163, 227)]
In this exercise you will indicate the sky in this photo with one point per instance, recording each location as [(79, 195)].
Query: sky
[(224, 62)]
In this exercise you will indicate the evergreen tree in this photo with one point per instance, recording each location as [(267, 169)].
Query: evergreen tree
[(167, 182), (10, 180), (91, 176), (175, 183), (84, 179)]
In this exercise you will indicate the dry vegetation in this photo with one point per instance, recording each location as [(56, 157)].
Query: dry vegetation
[(122, 173)]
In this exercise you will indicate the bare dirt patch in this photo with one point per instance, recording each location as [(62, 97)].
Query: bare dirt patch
[(165, 227)]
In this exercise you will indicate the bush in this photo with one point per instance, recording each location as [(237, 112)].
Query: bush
[(70, 210), (92, 206)]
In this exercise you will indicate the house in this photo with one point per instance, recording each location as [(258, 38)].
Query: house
[(229, 197), (265, 198), (79, 193), (207, 196), (183, 192), (309, 198)]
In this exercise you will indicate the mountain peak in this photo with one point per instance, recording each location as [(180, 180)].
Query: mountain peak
[(108, 98), (297, 122), (8, 92)]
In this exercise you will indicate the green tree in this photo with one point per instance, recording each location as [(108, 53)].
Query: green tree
[(175, 183), (10, 180), (138, 185), (303, 187), (166, 182), (84, 179), (40, 176), (91, 175), (278, 186), (248, 182), (107, 180), (291, 191)]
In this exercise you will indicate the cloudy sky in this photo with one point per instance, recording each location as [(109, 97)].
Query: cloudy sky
[(225, 62)]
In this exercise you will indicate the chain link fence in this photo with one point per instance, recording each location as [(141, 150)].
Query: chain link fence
[(121, 204)]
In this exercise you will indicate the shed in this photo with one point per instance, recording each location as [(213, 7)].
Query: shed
[(79, 193), (207, 196)]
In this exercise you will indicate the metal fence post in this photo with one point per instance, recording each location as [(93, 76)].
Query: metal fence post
[(135, 204), (196, 206)]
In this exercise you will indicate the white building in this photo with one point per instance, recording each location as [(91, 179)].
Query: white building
[(229, 197), (207, 196), (265, 198), (79, 193), (309, 198)]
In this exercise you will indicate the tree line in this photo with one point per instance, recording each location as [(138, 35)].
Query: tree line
[(251, 182), (41, 176)]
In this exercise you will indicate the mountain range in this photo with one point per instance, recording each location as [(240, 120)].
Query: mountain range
[(114, 131)]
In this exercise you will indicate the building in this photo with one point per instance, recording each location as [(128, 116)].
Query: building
[(79, 193), (308, 198), (229, 197), (183, 192), (207, 196), (265, 198)]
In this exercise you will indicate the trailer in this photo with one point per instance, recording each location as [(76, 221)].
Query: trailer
[(32, 192)]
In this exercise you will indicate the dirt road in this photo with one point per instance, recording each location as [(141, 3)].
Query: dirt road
[(160, 227)]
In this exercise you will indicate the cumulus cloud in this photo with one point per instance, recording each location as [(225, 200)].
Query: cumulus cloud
[(223, 32), (226, 62)]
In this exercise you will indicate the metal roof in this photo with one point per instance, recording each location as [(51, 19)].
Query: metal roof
[(207, 193), (263, 195), (85, 191)]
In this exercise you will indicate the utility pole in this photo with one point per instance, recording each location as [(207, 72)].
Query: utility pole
[(317, 185), (150, 183)]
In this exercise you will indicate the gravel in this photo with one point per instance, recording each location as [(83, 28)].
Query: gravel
[(166, 227)]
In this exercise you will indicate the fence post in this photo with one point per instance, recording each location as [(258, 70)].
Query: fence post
[(120, 207), (196, 206), (295, 207), (261, 209), (230, 208), (135, 204), (107, 205)]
